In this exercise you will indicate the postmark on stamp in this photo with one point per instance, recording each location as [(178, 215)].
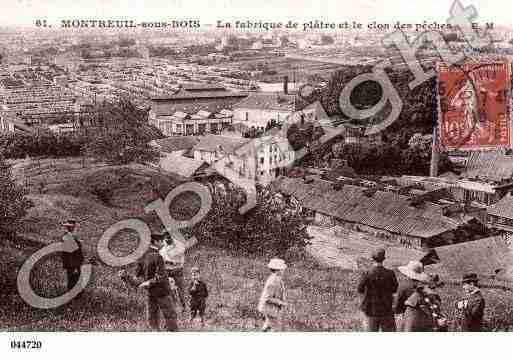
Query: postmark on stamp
[(474, 104)]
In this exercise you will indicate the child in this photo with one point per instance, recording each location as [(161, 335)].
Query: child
[(472, 306), (199, 293), (272, 300)]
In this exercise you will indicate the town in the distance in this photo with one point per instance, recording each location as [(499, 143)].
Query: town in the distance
[(406, 228)]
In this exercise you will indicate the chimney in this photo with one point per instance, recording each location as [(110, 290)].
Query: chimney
[(285, 85)]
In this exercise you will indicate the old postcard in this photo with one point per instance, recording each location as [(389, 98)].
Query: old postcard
[(270, 166)]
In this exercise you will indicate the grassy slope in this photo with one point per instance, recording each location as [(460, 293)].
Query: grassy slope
[(321, 298)]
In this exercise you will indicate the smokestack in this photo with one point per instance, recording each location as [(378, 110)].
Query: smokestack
[(285, 85)]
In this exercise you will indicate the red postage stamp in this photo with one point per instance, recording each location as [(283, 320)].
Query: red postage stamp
[(474, 105)]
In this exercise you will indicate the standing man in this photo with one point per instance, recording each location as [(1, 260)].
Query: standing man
[(377, 288), (151, 268), (472, 306), (72, 255), (173, 253)]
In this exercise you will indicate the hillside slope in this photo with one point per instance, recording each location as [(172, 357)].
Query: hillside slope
[(320, 298)]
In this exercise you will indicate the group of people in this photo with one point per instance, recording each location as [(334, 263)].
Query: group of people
[(386, 305), (160, 271), (414, 305)]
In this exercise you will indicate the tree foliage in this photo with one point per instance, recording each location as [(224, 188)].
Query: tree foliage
[(267, 229), (13, 203), (41, 143), (125, 136)]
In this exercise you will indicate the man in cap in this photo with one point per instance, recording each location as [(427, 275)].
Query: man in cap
[(151, 268), (377, 288), (472, 306), (72, 255), (173, 253)]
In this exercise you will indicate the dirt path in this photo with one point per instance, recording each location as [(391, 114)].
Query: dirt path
[(351, 250), (325, 247)]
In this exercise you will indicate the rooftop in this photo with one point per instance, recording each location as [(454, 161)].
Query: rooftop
[(494, 166), (212, 94), (503, 208), (227, 144), (268, 101), (176, 143), (384, 210), (459, 259)]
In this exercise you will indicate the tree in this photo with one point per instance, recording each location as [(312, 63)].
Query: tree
[(13, 203), (125, 137), (267, 229)]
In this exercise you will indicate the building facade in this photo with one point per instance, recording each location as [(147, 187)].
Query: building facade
[(194, 112)]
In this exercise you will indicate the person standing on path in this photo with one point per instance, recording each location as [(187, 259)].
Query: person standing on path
[(72, 255), (472, 306), (173, 253), (152, 269), (413, 274), (377, 288), (272, 300)]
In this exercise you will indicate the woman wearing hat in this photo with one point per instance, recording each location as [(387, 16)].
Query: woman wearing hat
[(272, 299), (409, 302)]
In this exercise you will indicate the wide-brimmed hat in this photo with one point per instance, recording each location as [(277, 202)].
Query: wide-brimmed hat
[(378, 254), (277, 263), (469, 278), (415, 270), (69, 223)]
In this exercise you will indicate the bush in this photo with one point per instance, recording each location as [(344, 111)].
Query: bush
[(267, 229), (42, 143)]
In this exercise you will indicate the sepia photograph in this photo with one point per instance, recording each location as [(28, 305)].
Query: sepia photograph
[(231, 166)]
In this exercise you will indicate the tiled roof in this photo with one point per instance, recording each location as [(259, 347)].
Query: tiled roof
[(181, 165), (384, 210), (185, 95), (177, 143), (503, 208), (163, 108), (489, 166), (483, 256), (203, 87), (212, 143), (268, 101)]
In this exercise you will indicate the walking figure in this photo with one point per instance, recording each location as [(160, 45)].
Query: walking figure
[(72, 255), (272, 300)]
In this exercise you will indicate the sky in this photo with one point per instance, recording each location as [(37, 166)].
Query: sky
[(25, 12)]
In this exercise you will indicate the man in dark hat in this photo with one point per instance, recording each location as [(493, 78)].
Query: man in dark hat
[(72, 255), (151, 268), (472, 305), (377, 288)]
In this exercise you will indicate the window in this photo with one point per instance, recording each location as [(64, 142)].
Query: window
[(261, 173), (247, 116), (261, 160)]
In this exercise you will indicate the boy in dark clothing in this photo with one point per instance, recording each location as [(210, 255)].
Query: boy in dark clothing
[(72, 255), (199, 293), (378, 287), (472, 306)]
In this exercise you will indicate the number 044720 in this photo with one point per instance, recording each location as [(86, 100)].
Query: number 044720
[(25, 344)]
